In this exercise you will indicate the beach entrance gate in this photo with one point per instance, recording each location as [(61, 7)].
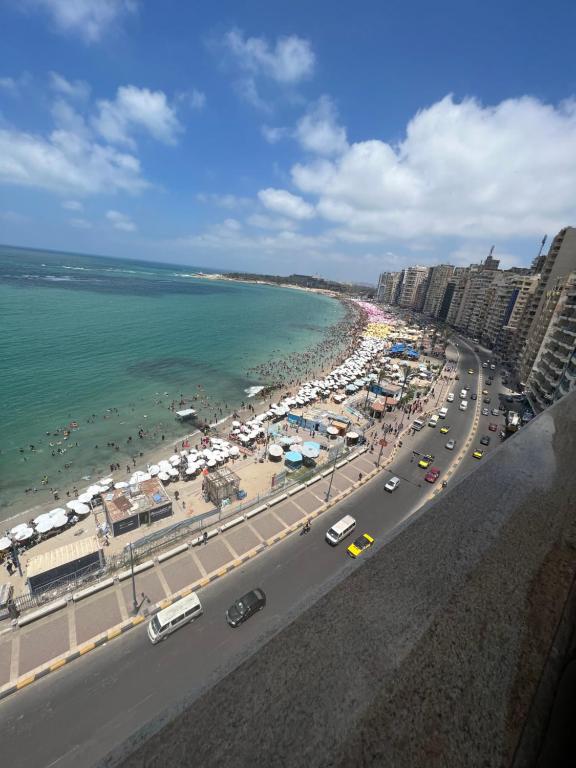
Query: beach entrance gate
[(221, 484)]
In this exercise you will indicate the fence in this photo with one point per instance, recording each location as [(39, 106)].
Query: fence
[(149, 545)]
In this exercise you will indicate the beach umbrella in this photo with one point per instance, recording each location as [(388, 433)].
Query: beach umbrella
[(40, 518), (174, 459), (5, 543), (296, 439), (139, 477), (107, 481), (234, 450), (294, 448), (275, 450), (17, 529), (59, 521), (312, 444), (85, 497), (44, 526), (121, 484), (332, 431), (293, 457), (94, 490), (191, 470), (235, 423), (164, 477), (173, 472), (211, 463), (24, 534), (308, 452), (82, 510)]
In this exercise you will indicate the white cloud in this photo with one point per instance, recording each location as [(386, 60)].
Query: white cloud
[(80, 223), (462, 170), (263, 221), (14, 85), (285, 203), (64, 162), (137, 108), (72, 205), (232, 202), (275, 134), (13, 217), (78, 89), (195, 99), (90, 19), (289, 60), (8, 84), (318, 131), (121, 221)]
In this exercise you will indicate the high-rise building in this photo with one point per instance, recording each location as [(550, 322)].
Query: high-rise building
[(559, 262), (460, 281), (437, 284), (410, 293), (506, 340), (388, 287), (554, 370)]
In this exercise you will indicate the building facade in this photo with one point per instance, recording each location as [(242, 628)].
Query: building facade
[(410, 292), (437, 284)]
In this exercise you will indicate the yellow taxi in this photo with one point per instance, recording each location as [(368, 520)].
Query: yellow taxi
[(425, 461), (478, 454), (444, 430), (360, 544), (470, 371)]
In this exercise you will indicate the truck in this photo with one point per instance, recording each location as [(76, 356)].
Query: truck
[(512, 421)]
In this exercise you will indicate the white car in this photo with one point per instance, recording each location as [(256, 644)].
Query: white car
[(392, 484), (450, 397)]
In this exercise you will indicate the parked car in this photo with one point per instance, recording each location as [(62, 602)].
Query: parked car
[(485, 440), (495, 411), (392, 484), (493, 427), (450, 397), (487, 400), (425, 461), (478, 453), (473, 396), (245, 606), (432, 475), (485, 412), (445, 429), (451, 445)]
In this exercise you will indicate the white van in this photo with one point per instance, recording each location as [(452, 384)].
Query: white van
[(463, 405), (433, 420), (463, 394), (417, 425), (175, 616), (443, 412), (450, 397), (340, 530)]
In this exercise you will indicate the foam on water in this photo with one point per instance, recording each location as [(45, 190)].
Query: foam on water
[(253, 391)]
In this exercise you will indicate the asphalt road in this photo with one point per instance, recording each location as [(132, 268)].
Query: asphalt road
[(77, 715)]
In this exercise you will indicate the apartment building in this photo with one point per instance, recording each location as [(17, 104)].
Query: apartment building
[(388, 284), (437, 284), (559, 262), (411, 294), (506, 341), (554, 370)]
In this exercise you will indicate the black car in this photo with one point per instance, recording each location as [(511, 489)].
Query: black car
[(487, 400), (489, 381), (246, 606), (473, 396), (485, 440)]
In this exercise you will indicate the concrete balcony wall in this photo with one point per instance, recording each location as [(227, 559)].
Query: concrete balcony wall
[(442, 650)]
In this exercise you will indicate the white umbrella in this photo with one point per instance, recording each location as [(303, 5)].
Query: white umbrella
[(94, 490), (40, 518), (58, 511), (107, 481), (82, 510), (234, 450), (211, 463), (85, 497), (70, 505), (44, 526), (309, 452), (17, 529), (59, 521), (332, 431), (190, 470), (174, 458), (25, 534), (235, 423), (275, 450), (173, 472), (5, 543), (139, 477), (164, 476), (121, 484)]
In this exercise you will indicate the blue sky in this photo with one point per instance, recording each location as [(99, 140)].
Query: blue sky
[(331, 138)]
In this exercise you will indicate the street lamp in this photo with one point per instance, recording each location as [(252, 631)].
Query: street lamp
[(336, 454), (134, 600)]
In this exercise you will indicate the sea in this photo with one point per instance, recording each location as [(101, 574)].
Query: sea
[(96, 352)]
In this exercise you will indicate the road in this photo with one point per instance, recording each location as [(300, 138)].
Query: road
[(77, 715)]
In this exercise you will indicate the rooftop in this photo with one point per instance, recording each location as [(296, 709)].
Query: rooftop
[(122, 503)]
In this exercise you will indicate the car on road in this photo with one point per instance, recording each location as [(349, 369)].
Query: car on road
[(485, 412), (473, 396), (487, 400), (425, 461), (432, 475), (484, 391), (492, 427), (492, 367), (451, 444), (484, 365), (445, 429), (450, 397), (485, 440), (471, 371), (245, 606), (360, 544), (478, 453), (392, 484), (495, 411)]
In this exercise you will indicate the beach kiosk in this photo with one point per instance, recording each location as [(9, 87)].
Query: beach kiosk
[(74, 559), (142, 503), (186, 414)]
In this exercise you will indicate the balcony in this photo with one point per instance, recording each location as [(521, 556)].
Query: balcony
[(444, 648)]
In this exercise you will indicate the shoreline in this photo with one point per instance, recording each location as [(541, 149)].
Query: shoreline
[(354, 319)]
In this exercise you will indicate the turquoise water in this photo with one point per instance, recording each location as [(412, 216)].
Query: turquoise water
[(110, 344)]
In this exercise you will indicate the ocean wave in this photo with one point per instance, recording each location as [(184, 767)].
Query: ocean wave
[(252, 391)]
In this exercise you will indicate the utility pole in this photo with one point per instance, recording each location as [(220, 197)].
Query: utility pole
[(134, 600), (336, 454)]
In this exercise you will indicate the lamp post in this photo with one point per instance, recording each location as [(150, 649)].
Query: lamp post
[(405, 368), (134, 600), (15, 558), (336, 454)]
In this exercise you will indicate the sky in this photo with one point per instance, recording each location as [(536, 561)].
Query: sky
[(334, 138)]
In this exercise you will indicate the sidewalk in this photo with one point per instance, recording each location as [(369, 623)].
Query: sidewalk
[(106, 610)]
